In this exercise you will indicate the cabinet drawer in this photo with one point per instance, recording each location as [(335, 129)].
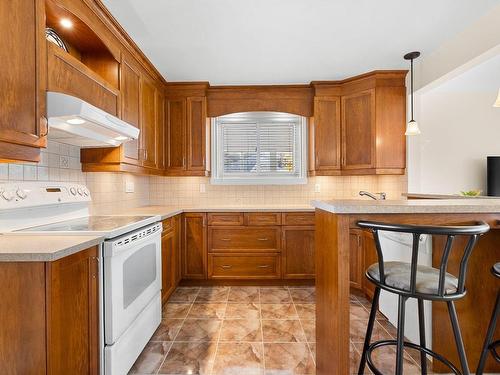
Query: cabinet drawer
[(225, 218), (167, 224), (244, 239), (262, 218), (244, 266), (298, 218)]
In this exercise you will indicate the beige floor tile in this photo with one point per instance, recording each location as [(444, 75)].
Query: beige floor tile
[(199, 330), (174, 310), (306, 310), (288, 358), (167, 330), (207, 310), (278, 311), (184, 294), (358, 331), (244, 294), (384, 358), (151, 358), (275, 295), (243, 311), (303, 295), (357, 311), (194, 358), (309, 327), (241, 330), (239, 358), (283, 331), (213, 294)]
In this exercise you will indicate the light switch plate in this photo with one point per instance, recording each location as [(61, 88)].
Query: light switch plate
[(317, 188), (129, 186)]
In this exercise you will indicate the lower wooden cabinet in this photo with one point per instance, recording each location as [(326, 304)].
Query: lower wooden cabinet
[(170, 256), (194, 246), (50, 316), (369, 257), (244, 266), (356, 258), (298, 258)]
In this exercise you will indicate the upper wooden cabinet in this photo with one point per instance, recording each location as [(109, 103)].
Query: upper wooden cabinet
[(23, 126), (130, 105), (187, 130), (358, 125), (324, 137)]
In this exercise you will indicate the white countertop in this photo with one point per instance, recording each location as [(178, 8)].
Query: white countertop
[(411, 206), (46, 248)]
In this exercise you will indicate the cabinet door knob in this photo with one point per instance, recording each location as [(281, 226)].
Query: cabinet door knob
[(264, 266), (225, 239), (226, 266), (263, 239)]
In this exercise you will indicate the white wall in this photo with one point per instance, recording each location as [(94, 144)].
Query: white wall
[(459, 129)]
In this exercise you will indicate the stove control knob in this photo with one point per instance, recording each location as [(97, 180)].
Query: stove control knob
[(21, 193), (7, 195), (86, 192), (72, 190), (80, 191)]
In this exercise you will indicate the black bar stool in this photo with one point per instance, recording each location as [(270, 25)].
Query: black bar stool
[(410, 280), (489, 344)]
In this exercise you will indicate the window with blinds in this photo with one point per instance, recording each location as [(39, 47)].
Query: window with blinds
[(259, 147)]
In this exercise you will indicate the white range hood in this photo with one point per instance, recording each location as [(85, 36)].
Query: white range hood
[(76, 122)]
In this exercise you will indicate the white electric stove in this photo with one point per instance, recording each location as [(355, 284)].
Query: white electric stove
[(130, 281)]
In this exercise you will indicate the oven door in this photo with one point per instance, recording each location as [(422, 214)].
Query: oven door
[(132, 277)]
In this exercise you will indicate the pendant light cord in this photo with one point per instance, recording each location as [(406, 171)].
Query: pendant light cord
[(411, 88)]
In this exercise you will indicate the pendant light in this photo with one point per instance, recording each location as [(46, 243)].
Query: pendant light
[(412, 126), (497, 102)]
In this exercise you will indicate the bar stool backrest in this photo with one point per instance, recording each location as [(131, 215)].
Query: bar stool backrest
[(471, 231)]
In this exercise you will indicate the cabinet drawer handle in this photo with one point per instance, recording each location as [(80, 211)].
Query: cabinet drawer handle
[(264, 266), (225, 239), (263, 239), (226, 267)]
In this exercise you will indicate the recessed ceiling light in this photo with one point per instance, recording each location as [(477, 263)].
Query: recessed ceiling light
[(75, 121), (66, 23)]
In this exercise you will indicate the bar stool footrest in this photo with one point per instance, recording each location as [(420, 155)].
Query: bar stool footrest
[(378, 344), (493, 347)]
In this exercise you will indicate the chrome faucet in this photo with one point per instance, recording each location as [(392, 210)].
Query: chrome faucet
[(376, 196)]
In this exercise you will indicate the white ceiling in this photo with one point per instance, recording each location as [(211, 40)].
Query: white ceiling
[(288, 41)]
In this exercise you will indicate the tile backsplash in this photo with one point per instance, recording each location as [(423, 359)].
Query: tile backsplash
[(60, 162)]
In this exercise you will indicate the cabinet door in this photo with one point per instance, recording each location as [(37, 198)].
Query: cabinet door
[(194, 255), (326, 136), (130, 100), (148, 124), (167, 265), (358, 130), (369, 258), (298, 252), (160, 129), (176, 134), (196, 133), (356, 272), (23, 126), (73, 314)]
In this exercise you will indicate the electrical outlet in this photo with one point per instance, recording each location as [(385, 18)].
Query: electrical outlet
[(202, 188), (129, 186), (63, 162), (317, 188)]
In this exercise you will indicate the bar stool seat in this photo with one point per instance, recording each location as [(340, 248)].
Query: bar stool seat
[(397, 275)]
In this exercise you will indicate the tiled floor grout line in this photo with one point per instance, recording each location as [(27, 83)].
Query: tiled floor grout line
[(219, 334), (262, 336), (173, 340)]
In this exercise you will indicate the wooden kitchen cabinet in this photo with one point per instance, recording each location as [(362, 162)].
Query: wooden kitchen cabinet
[(186, 129), (73, 314), (168, 263), (298, 259), (356, 263), (358, 130), (62, 298), (178, 247), (23, 125), (149, 117), (194, 246), (325, 139)]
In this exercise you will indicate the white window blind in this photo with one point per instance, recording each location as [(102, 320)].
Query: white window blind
[(258, 147)]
